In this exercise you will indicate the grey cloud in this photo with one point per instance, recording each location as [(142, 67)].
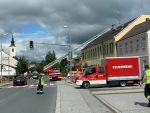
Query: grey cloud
[(86, 18)]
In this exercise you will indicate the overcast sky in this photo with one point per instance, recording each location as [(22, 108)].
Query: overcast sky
[(43, 21)]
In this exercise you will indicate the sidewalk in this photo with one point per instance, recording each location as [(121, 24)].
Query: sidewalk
[(5, 83), (71, 99), (134, 102)]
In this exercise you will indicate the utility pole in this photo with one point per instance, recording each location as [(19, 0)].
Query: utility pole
[(70, 49)]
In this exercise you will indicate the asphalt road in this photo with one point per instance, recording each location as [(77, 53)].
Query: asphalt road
[(25, 100)]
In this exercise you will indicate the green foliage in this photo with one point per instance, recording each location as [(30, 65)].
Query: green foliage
[(63, 63), (50, 57), (22, 65), (85, 65), (63, 66), (40, 66)]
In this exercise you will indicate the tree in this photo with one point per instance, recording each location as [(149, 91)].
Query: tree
[(22, 65), (50, 57), (64, 62), (85, 65), (40, 66), (63, 66)]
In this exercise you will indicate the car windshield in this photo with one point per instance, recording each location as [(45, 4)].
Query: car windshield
[(19, 77)]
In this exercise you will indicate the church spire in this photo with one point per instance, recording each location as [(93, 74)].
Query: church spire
[(12, 47), (12, 41)]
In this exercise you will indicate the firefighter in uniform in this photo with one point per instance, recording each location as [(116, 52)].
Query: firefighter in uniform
[(40, 83), (146, 79)]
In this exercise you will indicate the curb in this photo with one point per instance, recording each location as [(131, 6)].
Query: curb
[(109, 106), (57, 109)]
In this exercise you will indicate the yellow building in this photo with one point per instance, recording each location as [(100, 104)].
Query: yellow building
[(105, 44)]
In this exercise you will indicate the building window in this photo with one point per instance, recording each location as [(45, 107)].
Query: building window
[(120, 50), (137, 45), (12, 49), (94, 52), (91, 54), (107, 50), (83, 55), (143, 43), (100, 50), (97, 51), (126, 47), (104, 51), (131, 46), (88, 54), (111, 48)]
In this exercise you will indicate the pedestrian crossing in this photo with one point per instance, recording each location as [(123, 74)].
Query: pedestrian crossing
[(30, 86)]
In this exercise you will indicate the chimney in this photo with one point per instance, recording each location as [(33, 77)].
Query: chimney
[(113, 26)]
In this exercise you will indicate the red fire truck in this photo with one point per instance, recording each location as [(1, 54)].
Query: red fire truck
[(55, 75), (120, 70)]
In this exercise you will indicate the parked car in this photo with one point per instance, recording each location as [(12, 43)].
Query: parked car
[(19, 81)]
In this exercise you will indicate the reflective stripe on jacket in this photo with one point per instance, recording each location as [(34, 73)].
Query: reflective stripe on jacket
[(147, 76)]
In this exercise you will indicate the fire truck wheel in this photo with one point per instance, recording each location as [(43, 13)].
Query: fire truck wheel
[(123, 83), (86, 85), (81, 86)]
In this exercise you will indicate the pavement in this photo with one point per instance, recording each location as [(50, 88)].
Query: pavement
[(5, 83), (72, 99), (125, 101)]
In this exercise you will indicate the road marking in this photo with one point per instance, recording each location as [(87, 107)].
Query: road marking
[(30, 86)]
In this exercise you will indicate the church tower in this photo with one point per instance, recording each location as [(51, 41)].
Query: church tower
[(12, 48)]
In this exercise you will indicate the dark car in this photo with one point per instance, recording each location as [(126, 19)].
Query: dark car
[(19, 81)]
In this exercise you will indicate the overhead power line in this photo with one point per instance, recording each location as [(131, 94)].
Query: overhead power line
[(78, 48)]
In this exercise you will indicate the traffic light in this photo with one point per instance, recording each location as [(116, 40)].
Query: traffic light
[(31, 45)]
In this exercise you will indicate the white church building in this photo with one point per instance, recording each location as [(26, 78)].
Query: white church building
[(7, 61)]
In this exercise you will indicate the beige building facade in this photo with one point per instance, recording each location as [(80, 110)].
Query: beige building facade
[(110, 43)]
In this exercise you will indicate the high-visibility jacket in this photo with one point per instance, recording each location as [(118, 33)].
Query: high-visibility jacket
[(41, 81), (147, 76)]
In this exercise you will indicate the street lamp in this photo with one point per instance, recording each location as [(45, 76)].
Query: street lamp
[(70, 52), (1, 56)]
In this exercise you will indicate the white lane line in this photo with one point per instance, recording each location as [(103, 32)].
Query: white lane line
[(57, 109), (30, 86)]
